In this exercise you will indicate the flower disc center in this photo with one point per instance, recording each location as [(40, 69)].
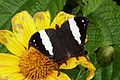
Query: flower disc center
[(36, 66)]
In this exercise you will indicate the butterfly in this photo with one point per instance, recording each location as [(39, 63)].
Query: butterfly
[(64, 42)]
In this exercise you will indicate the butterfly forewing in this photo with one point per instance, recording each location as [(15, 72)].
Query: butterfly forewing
[(82, 23), (74, 31), (47, 42), (36, 42)]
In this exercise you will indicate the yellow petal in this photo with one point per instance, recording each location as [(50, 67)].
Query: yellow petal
[(54, 76), (60, 19), (86, 63), (16, 76), (3, 77), (71, 63), (23, 27), (8, 59), (82, 60), (6, 70), (86, 39), (9, 40), (27, 79), (51, 78), (42, 20)]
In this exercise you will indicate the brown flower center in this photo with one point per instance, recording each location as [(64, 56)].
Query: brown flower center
[(34, 65)]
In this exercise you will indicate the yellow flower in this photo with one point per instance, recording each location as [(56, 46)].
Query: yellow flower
[(30, 64)]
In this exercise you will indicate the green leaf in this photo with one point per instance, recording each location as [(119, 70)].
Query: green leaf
[(76, 10), (104, 30), (91, 6), (72, 73), (78, 73), (55, 6), (8, 8), (82, 74), (3, 49)]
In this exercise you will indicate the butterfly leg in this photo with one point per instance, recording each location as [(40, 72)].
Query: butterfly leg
[(58, 72)]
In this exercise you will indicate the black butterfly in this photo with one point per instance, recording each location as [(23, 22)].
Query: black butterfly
[(63, 42)]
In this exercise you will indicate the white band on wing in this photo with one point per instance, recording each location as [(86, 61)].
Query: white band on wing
[(75, 30), (46, 41)]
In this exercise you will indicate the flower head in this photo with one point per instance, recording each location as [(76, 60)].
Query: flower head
[(28, 63)]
